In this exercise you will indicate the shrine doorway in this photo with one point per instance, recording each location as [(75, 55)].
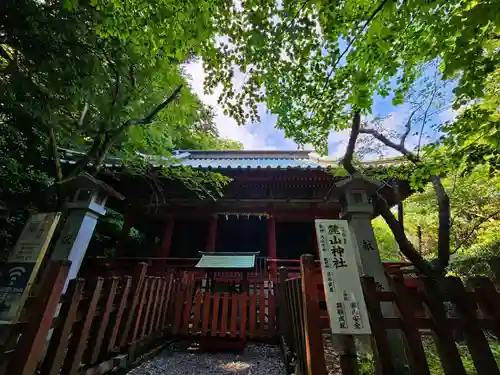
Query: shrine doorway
[(241, 233), (294, 239)]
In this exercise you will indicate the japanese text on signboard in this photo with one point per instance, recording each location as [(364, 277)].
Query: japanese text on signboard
[(343, 291)]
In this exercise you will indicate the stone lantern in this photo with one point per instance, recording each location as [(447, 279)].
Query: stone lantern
[(354, 195), (87, 203)]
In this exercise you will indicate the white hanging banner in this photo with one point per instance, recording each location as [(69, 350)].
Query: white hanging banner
[(341, 279)]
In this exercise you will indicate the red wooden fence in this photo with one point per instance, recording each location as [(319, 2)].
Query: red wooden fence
[(95, 320), (195, 312), (421, 313)]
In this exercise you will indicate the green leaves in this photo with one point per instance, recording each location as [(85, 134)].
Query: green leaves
[(473, 138), (88, 70), (310, 62), (175, 28)]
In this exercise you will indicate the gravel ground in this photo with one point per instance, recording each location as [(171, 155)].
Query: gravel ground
[(258, 359)]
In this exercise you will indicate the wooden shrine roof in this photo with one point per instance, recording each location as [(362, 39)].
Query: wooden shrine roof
[(237, 159), (258, 178)]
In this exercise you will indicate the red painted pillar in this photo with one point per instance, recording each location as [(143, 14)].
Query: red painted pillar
[(271, 244), (212, 234), (122, 241), (164, 251), (315, 241)]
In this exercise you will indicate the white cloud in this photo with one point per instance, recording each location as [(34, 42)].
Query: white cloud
[(337, 142), (448, 115), (264, 135), (227, 126)]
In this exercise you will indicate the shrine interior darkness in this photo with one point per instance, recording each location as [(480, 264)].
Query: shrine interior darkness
[(243, 234)]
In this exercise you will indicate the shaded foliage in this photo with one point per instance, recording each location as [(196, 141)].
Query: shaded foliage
[(71, 77), (475, 222)]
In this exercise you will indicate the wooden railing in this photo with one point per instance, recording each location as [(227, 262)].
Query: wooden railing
[(101, 320), (119, 266), (94, 321), (196, 312), (423, 315), (265, 269)]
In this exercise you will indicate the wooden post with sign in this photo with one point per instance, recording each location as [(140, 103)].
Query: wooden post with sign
[(18, 275), (343, 291)]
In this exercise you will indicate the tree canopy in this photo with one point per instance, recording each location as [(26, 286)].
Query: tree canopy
[(312, 62), (71, 78), (318, 66), (108, 79)]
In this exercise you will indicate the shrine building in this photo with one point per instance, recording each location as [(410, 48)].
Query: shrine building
[(267, 210)]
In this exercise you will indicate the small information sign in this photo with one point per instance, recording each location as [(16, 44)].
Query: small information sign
[(19, 273)]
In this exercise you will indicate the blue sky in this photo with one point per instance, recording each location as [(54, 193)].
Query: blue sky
[(264, 136)]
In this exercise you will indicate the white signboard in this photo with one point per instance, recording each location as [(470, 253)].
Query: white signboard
[(19, 273), (343, 291)]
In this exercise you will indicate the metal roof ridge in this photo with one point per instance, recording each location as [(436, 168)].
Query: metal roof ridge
[(239, 154)]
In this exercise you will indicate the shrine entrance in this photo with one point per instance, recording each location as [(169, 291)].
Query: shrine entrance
[(223, 309)]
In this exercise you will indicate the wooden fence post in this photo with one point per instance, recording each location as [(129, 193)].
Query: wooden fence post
[(40, 313), (282, 314), (62, 333), (313, 341), (137, 281), (99, 327), (81, 329), (416, 356), (442, 332), (478, 344), (116, 319), (296, 315), (383, 357)]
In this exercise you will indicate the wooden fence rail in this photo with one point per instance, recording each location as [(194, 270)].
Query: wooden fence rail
[(197, 312), (95, 320), (465, 316)]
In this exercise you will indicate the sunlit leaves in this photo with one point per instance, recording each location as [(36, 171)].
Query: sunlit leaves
[(473, 138), (311, 62)]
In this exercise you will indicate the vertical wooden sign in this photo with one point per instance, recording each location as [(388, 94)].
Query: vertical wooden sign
[(343, 291), (18, 275)]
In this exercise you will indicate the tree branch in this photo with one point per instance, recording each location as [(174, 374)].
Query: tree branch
[(300, 9), (88, 157), (55, 154), (152, 115), (365, 25), (425, 117), (382, 207), (131, 75), (443, 224), (441, 197), (83, 114), (113, 67), (408, 127), (386, 141), (104, 140), (406, 247), (111, 137), (474, 228), (349, 152)]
